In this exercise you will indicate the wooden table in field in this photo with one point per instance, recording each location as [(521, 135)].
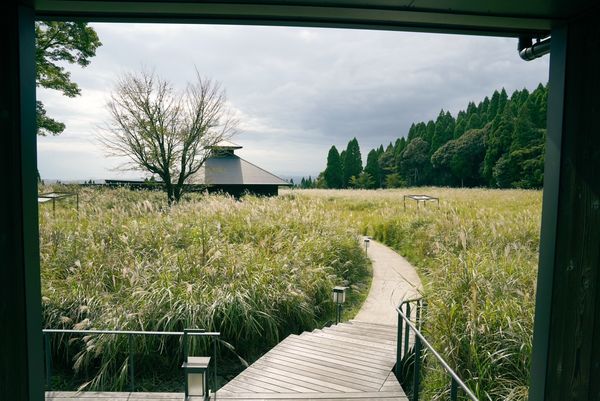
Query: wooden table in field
[(421, 199)]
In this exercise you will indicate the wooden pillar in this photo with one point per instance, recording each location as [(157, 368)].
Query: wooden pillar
[(21, 359), (566, 354)]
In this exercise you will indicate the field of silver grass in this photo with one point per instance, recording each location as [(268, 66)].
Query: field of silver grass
[(477, 255), (256, 270)]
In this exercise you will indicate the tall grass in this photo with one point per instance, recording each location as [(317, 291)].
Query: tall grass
[(477, 255), (255, 270), (261, 268)]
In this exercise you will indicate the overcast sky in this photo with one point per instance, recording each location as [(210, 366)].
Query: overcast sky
[(297, 91)]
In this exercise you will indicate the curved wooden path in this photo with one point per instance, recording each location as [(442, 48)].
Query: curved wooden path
[(348, 361), (394, 280)]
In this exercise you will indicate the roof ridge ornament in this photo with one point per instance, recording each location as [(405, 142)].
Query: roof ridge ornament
[(224, 145)]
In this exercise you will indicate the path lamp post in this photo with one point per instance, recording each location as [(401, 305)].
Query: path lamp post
[(367, 242), (195, 369), (339, 297)]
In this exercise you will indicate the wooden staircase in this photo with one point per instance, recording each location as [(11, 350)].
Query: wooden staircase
[(348, 361)]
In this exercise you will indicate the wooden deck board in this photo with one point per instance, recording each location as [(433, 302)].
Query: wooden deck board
[(361, 337), (294, 386), (373, 395), (316, 375), (363, 343), (116, 396), (364, 332), (391, 384), (138, 396), (375, 359), (327, 371), (265, 382), (368, 360), (366, 349), (374, 326), (298, 380), (331, 359), (349, 361), (377, 330)]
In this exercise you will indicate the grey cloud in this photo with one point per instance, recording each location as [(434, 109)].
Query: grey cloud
[(300, 89)]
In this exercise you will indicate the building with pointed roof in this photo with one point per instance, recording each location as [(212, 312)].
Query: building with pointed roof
[(226, 172)]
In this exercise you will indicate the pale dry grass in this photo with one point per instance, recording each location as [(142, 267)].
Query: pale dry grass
[(256, 270), (261, 268), (477, 254)]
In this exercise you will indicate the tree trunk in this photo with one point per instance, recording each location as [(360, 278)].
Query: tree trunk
[(177, 192), (170, 194)]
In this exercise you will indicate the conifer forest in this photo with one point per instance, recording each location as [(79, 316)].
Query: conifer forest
[(496, 143)]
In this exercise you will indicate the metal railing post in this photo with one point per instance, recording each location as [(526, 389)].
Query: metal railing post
[(417, 371), (418, 315), (130, 364), (423, 312), (215, 366), (399, 348), (406, 328), (338, 314), (453, 390), (420, 342), (48, 355)]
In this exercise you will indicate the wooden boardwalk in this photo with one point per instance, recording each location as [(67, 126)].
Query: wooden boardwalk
[(348, 361)]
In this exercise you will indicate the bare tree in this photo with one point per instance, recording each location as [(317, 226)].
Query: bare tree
[(163, 131)]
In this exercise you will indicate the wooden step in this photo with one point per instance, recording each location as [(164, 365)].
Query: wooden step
[(363, 396)]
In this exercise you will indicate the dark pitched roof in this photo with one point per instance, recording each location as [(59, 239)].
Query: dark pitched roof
[(230, 169)]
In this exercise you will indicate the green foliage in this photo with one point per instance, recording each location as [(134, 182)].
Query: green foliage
[(415, 161), (387, 163), (372, 168), (320, 181), (334, 174), (522, 168), (256, 270), (56, 42), (526, 134), (362, 181), (46, 124), (394, 180), (444, 130), (307, 183), (461, 158), (498, 142), (352, 161)]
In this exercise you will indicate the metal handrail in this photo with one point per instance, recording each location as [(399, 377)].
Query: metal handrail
[(456, 381), (134, 332), (130, 334)]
